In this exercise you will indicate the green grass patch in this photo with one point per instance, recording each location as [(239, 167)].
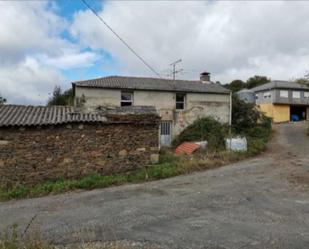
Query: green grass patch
[(159, 171)]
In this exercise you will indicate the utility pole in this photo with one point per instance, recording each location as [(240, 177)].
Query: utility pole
[(174, 72)]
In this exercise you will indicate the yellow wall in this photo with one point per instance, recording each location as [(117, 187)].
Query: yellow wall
[(279, 113)]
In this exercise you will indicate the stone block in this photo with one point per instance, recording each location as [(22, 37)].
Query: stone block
[(154, 158), (67, 160), (141, 149), (4, 142), (123, 153)]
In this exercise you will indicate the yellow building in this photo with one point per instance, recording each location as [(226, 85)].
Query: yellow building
[(283, 101)]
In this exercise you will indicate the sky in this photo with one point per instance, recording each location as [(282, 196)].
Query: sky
[(49, 43)]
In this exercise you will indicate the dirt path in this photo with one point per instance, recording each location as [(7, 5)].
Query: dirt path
[(259, 203)]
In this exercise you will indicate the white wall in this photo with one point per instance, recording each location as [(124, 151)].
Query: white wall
[(198, 105), (98, 96)]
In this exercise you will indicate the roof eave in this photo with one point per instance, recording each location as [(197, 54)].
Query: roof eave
[(155, 90)]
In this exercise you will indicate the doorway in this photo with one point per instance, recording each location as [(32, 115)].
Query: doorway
[(165, 133), (298, 113)]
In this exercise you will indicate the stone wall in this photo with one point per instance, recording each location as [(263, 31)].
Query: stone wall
[(34, 155)]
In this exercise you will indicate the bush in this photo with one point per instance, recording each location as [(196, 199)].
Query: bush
[(204, 129)]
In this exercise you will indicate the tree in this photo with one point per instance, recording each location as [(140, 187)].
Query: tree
[(246, 116), (256, 81), (303, 81), (236, 85), (2, 100), (61, 98)]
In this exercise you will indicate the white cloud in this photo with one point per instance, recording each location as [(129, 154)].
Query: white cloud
[(230, 39), (29, 82), (33, 52), (71, 59)]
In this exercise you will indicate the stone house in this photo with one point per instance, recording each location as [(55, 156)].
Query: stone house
[(281, 100), (178, 102), (39, 144)]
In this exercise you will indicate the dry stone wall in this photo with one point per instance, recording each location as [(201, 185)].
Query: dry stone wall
[(33, 155)]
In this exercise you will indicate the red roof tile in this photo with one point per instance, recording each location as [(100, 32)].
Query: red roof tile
[(187, 148)]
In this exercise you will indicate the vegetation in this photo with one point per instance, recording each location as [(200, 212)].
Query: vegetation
[(246, 117), (237, 85), (169, 165), (61, 98), (10, 239), (303, 81), (204, 129), (2, 100)]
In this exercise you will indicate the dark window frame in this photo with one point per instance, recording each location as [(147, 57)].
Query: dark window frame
[(125, 101), (180, 104)]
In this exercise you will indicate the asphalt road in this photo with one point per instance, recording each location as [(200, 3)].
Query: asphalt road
[(258, 203)]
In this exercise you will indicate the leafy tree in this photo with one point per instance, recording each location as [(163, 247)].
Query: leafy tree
[(2, 100), (61, 98), (256, 81), (303, 81), (246, 116), (236, 85)]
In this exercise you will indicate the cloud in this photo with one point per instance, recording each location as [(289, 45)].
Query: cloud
[(230, 39), (34, 51), (71, 60), (29, 82)]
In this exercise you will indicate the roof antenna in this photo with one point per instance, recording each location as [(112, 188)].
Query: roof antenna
[(174, 72)]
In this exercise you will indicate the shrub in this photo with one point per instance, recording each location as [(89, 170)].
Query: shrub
[(204, 129)]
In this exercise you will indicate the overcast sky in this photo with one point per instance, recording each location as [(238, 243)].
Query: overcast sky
[(43, 44)]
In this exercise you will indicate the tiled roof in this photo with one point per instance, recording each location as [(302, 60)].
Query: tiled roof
[(280, 85), (187, 148), (152, 84), (18, 115)]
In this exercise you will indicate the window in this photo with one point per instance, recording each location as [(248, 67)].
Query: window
[(284, 94), (306, 94), (267, 95), (180, 101), (126, 98), (256, 96), (296, 95)]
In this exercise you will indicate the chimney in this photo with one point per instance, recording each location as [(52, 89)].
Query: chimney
[(205, 77)]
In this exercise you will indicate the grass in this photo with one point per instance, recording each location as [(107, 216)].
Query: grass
[(169, 165), (174, 165), (10, 239)]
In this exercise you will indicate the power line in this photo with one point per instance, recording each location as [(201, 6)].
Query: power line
[(122, 40)]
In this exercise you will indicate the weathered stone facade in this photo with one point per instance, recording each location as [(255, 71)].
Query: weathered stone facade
[(34, 155)]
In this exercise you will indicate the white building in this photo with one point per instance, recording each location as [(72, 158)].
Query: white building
[(178, 102)]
